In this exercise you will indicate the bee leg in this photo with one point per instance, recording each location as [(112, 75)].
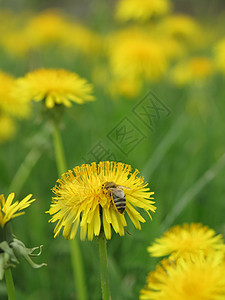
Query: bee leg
[(128, 232)]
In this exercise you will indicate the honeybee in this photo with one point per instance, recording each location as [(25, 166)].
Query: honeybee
[(117, 194)]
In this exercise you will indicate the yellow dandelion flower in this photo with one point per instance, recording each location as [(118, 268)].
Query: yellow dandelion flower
[(191, 238), (128, 87), (182, 27), (7, 128), (46, 28), (220, 55), (12, 33), (173, 48), (9, 104), (133, 54), (52, 27), (87, 196), (195, 69), (54, 87), (16, 37), (201, 67), (9, 210), (192, 277), (133, 9)]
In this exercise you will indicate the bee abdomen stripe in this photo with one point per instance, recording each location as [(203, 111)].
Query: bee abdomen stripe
[(120, 203), (119, 199)]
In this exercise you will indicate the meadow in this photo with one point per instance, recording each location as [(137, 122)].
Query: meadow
[(158, 84)]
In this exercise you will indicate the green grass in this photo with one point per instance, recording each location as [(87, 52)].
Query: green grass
[(173, 158)]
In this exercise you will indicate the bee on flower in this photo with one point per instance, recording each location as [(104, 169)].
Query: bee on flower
[(98, 198)]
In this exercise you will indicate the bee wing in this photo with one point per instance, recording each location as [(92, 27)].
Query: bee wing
[(117, 192), (123, 187)]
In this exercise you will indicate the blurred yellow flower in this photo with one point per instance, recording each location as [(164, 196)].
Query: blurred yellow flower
[(172, 47), (7, 128), (220, 55), (192, 277), (16, 43), (133, 54), (191, 238), (53, 27), (9, 210), (14, 106), (144, 10), (82, 198), (128, 87), (181, 27), (54, 86), (13, 37), (45, 28), (194, 69)]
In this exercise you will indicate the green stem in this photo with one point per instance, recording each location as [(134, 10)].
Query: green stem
[(78, 269), (76, 256), (10, 284), (104, 267), (59, 151)]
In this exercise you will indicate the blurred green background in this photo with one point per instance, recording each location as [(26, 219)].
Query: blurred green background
[(181, 156)]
